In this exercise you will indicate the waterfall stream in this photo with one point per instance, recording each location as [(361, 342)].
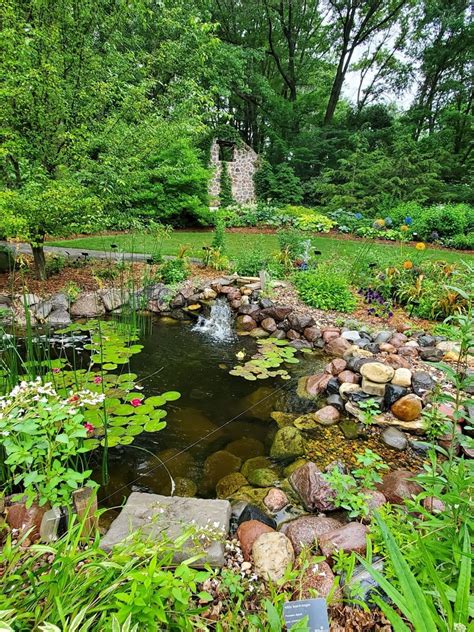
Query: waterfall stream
[(218, 325)]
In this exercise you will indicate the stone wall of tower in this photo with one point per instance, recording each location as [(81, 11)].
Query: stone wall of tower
[(241, 171)]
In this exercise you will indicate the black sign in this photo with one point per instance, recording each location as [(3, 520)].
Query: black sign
[(315, 609)]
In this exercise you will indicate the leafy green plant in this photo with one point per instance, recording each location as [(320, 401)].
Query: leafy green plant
[(370, 409), (351, 488), (426, 610), (41, 437), (225, 195), (325, 289), (173, 271), (218, 239)]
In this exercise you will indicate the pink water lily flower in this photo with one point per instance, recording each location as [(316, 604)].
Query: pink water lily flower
[(89, 427), (56, 370), (97, 379), (136, 402)]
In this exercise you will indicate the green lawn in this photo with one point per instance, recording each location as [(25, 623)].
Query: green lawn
[(238, 242)]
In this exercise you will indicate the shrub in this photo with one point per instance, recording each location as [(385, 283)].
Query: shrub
[(443, 221), (461, 241), (173, 271), (325, 289), (225, 196), (278, 183), (309, 219)]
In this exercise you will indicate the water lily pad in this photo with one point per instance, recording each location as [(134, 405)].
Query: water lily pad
[(154, 426), (171, 396)]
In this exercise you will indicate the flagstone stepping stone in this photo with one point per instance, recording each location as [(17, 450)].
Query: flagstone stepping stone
[(168, 516)]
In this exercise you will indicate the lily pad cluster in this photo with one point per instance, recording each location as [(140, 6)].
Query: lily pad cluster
[(272, 353), (125, 412)]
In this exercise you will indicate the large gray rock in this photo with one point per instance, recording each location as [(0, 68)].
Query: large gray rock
[(88, 305), (168, 516), (59, 318), (113, 298)]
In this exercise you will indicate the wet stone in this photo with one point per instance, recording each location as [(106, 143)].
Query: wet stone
[(336, 401), (422, 383), (349, 428), (157, 516), (392, 394), (252, 512), (248, 532), (394, 438)]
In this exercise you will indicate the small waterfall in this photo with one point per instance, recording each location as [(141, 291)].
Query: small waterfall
[(219, 324)]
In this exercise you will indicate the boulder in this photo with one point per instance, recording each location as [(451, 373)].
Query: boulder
[(422, 383), (349, 429), (330, 333), (327, 416), (398, 485), (229, 484), (288, 443), (300, 322), (392, 394), (263, 477), (246, 448), (434, 505), (218, 465), (336, 401), (275, 500), (292, 334), (348, 377), (316, 384), (407, 408), (113, 298), (268, 324), (312, 333), (345, 390), (352, 335), (248, 532), (272, 554), (310, 485), (377, 372), (337, 346), (349, 538), (88, 305), (283, 419), (252, 512), (59, 318), (164, 516), (383, 336), (278, 313), (394, 438), (402, 377), (431, 354), (336, 366), (318, 578), (373, 388), (306, 422), (255, 463), (305, 531), (245, 323), (43, 310)]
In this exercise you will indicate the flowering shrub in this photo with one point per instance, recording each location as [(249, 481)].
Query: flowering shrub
[(41, 436)]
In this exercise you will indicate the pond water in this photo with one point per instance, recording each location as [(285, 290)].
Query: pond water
[(216, 412)]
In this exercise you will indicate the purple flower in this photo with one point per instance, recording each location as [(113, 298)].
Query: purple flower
[(408, 220)]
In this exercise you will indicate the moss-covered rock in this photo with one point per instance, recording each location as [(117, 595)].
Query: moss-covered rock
[(288, 443), (263, 477), (229, 484)]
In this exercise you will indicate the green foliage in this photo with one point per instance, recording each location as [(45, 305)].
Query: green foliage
[(461, 242), (218, 239), (173, 271), (41, 437), (325, 289), (253, 214), (351, 489), (278, 184), (370, 409), (308, 219), (225, 196)]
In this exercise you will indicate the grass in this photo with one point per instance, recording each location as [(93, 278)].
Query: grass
[(237, 242)]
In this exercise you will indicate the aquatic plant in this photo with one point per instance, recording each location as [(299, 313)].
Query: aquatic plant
[(272, 354)]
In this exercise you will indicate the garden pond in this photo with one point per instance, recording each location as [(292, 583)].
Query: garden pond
[(216, 401)]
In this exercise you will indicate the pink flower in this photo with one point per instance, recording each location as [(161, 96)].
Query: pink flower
[(74, 398), (89, 427), (56, 370), (97, 379), (136, 402)]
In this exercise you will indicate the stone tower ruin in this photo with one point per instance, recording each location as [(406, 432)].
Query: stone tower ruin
[(241, 163)]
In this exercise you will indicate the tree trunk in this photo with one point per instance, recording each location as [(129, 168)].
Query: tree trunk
[(40, 261)]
